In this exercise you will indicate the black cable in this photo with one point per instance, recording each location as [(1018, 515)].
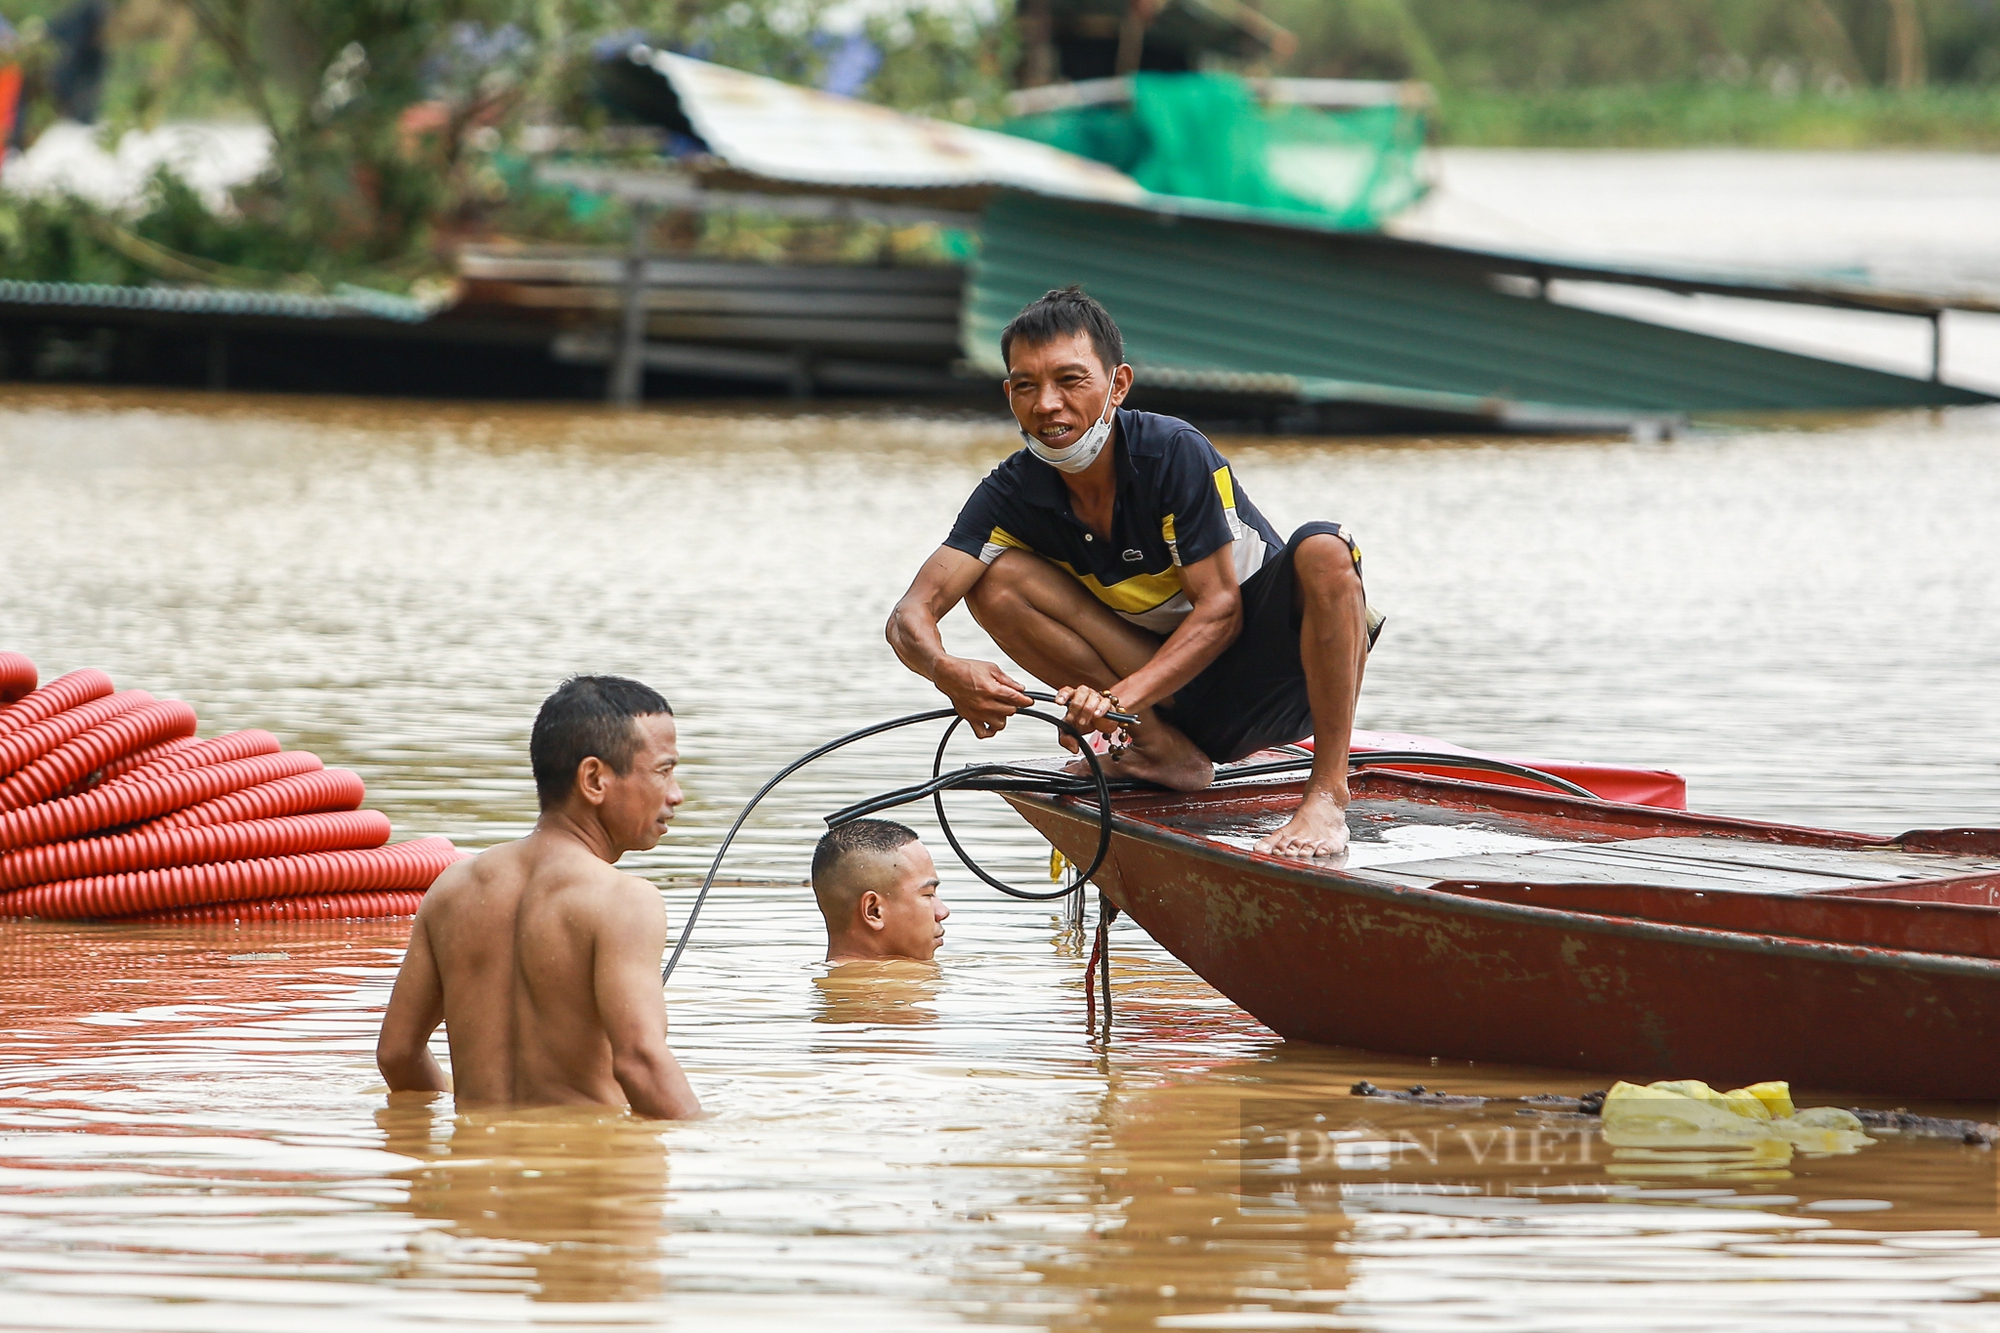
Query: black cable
[(1025, 778), (1012, 777), (910, 720), (1110, 715), (975, 777), (1103, 810), (709, 882), (1473, 763)]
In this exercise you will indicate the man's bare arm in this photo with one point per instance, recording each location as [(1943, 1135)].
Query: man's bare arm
[(416, 1007), (983, 694), (630, 941), (1213, 624)]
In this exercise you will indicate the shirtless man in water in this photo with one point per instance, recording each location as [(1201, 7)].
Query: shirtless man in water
[(541, 960)]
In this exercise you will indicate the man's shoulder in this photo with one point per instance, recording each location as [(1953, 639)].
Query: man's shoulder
[(471, 874), (554, 864), (538, 867), (1154, 435), (1013, 472), (1018, 484)]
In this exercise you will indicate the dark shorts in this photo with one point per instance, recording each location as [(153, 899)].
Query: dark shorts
[(1254, 696)]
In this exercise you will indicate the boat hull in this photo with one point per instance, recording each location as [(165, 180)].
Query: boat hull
[(1325, 957)]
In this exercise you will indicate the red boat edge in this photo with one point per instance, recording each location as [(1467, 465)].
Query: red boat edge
[(1614, 782)]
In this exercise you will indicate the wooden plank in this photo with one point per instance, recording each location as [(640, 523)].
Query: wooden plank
[(832, 305), (831, 332)]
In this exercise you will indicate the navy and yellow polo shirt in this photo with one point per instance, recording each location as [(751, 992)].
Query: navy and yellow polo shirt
[(1177, 503)]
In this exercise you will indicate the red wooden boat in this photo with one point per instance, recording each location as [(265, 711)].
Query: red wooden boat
[(1481, 921)]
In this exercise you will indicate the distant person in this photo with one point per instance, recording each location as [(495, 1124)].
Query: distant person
[(1118, 559), (78, 77), (540, 959), (877, 888)]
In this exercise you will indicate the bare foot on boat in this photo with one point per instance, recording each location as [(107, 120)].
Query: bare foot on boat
[(1160, 753), (1318, 828)]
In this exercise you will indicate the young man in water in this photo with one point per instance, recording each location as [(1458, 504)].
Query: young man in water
[(1118, 559), (541, 960), (878, 890)]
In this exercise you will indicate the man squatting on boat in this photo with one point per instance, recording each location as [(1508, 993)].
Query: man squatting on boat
[(1118, 559), (540, 959)]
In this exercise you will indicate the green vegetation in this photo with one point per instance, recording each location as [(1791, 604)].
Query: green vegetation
[(1543, 45), (398, 123), (1707, 114), (396, 126), (1675, 73)]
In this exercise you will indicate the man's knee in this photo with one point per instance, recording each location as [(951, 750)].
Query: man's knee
[(999, 590), (1324, 567)]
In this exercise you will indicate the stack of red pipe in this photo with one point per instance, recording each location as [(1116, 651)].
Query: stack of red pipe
[(111, 809)]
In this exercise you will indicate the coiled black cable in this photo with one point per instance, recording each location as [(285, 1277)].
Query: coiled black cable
[(1014, 777), (1049, 782)]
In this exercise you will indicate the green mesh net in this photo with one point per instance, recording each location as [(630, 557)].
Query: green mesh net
[(1204, 136)]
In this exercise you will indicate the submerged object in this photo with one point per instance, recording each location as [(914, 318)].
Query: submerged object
[(1475, 921), (109, 809)]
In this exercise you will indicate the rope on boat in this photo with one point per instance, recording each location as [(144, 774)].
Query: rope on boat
[(1099, 965)]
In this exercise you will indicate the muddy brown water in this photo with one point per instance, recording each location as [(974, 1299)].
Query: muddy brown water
[(1801, 617)]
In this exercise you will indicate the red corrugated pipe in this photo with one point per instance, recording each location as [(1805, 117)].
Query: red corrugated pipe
[(17, 676), (175, 755), (327, 789), (136, 798), (23, 747), (407, 865), (236, 745), (134, 729), (109, 807), (158, 849), (137, 760), (71, 691), (312, 907)]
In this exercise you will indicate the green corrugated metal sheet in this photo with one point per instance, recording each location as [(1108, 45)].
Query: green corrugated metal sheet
[(1343, 317), (347, 301)]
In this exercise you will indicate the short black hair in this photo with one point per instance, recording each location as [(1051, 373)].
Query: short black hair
[(1062, 311), (587, 717), (863, 835)]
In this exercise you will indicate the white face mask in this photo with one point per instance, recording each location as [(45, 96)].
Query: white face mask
[(1078, 456)]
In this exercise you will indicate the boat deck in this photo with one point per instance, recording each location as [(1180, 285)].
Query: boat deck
[(1422, 843), (1688, 863)]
